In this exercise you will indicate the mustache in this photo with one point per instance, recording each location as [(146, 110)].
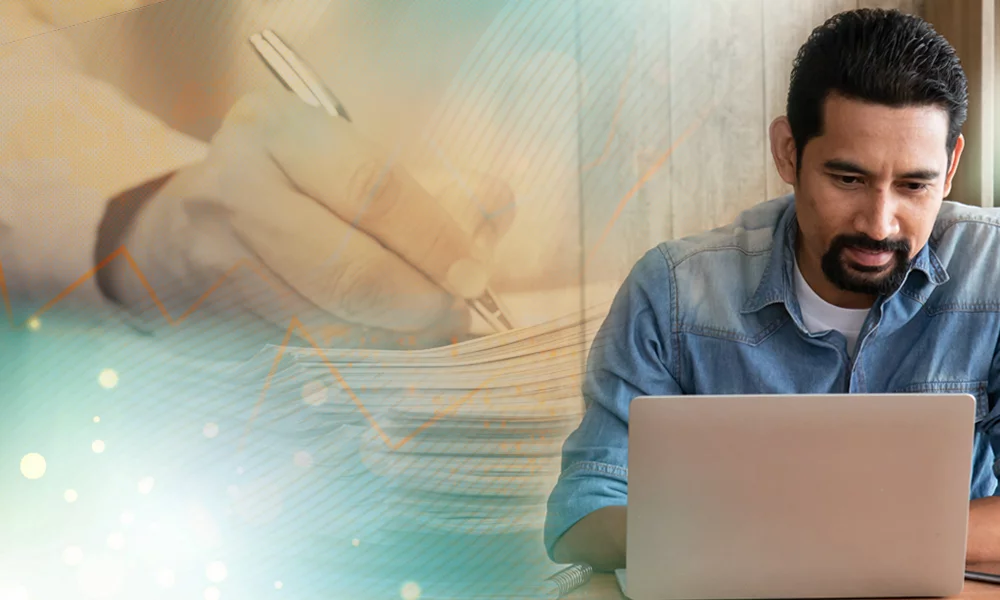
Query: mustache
[(863, 242)]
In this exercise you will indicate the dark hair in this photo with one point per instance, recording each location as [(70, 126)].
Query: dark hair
[(879, 56)]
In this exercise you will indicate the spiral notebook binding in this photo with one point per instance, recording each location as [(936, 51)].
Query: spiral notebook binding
[(571, 578)]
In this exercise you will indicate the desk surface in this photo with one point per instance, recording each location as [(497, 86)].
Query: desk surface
[(604, 587)]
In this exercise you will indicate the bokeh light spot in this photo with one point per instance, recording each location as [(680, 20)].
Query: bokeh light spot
[(116, 541), (108, 378), (72, 556), (216, 572), (302, 459), (166, 578), (314, 393), (146, 485), (410, 591), (33, 465)]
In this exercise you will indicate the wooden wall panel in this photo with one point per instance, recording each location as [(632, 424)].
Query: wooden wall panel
[(915, 7), (970, 27), (716, 108), (787, 25)]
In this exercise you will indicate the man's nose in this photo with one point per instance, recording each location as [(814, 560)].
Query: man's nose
[(878, 219)]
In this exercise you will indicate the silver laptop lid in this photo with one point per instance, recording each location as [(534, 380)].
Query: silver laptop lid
[(798, 496)]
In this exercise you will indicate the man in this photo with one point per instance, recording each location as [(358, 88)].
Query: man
[(863, 280)]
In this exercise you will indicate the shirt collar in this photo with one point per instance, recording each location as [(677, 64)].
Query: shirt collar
[(777, 283)]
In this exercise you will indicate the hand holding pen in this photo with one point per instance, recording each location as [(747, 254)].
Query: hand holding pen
[(363, 188), (294, 216)]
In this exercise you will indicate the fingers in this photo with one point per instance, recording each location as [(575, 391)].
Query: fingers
[(338, 268), (329, 161), (481, 204)]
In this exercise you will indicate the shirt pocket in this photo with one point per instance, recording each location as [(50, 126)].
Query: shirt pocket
[(977, 389)]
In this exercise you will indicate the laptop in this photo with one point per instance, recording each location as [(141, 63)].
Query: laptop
[(798, 496)]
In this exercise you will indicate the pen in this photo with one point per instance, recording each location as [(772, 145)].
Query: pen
[(297, 77), (983, 577)]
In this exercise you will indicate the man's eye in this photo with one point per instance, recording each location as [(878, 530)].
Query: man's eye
[(848, 179), (912, 186)]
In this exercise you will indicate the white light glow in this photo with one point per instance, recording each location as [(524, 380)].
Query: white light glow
[(314, 393), (116, 541), (410, 591), (302, 459), (72, 556), (210, 430), (108, 379), (33, 465), (70, 496), (216, 572), (166, 578), (100, 578), (146, 485), (97, 446), (212, 593), (12, 591)]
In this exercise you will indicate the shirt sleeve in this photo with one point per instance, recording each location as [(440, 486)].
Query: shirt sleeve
[(632, 355), (70, 143), (989, 429)]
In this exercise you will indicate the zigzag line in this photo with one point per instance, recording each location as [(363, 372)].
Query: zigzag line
[(294, 324)]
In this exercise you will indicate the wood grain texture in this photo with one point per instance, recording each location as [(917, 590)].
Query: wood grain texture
[(787, 25), (913, 7), (969, 27), (619, 113), (654, 79), (716, 56)]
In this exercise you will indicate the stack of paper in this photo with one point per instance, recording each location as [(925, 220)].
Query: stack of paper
[(462, 440)]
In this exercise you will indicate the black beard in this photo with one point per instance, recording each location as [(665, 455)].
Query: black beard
[(874, 281)]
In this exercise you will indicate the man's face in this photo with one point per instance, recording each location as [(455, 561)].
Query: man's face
[(869, 190)]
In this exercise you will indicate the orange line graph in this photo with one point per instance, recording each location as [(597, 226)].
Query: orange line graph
[(123, 252), (296, 324), (613, 128), (662, 160), (6, 297)]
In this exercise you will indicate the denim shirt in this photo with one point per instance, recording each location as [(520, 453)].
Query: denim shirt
[(717, 313)]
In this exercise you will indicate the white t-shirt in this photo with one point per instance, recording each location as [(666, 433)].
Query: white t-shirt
[(819, 315)]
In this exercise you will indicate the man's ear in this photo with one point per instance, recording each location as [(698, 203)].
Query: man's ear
[(783, 149), (955, 155)]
